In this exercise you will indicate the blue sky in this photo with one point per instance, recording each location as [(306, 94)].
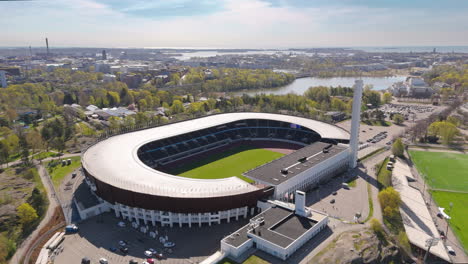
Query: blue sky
[(234, 23)]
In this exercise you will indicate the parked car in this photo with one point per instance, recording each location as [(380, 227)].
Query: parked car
[(124, 250), (169, 244), (103, 261), (159, 255), (150, 261), (85, 260), (335, 193), (332, 201), (148, 253), (122, 243), (439, 214), (121, 224), (152, 250), (112, 249)]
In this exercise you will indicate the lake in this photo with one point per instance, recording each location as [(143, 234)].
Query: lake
[(299, 86)]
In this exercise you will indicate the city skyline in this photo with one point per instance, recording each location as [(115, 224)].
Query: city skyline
[(234, 24)]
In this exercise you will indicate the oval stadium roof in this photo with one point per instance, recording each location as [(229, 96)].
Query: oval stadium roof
[(115, 160)]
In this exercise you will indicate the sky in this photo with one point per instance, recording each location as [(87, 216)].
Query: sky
[(234, 23)]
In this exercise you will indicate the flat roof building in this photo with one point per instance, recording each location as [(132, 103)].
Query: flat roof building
[(278, 231)]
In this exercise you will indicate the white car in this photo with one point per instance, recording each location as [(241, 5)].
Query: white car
[(122, 243), (121, 224), (450, 250), (152, 250), (148, 253), (169, 244), (103, 261)]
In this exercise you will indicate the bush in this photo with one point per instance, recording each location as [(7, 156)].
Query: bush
[(398, 148), (376, 226)]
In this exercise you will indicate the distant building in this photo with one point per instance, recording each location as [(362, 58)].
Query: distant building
[(132, 80), (411, 87), (3, 80), (336, 116), (106, 113), (104, 55), (103, 67), (109, 78)]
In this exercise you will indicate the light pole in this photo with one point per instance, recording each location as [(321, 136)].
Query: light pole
[(431, 242), (447, 219)]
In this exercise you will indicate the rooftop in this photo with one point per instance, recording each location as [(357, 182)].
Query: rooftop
[(115, 161), (274, 172), (281, 227)]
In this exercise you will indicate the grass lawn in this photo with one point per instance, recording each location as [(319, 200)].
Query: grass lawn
[(385, 176), (443, 170), (232, 162), (84, 129), (58, 172), (459, 213), (376, 123), (251, 260), (44, 155)]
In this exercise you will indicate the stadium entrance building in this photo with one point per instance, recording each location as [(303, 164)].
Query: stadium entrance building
[(278, 230)]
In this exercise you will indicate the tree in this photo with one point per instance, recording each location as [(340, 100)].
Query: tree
[(398, 148), (24, 146), (4, 152), (444, 129), (454, 120), (27, 214), (376, 226), (142, 105), (387, 97), (389, 197), (34, 140), (398, 119), (177, 107)]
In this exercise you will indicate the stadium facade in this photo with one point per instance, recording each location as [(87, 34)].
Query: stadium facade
[(126, 172)]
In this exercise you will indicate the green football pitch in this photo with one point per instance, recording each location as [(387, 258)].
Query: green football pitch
[(447, 171), (443, 170), (232, 162)]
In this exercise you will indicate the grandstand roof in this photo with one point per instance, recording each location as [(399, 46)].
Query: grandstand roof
[(115, 160)]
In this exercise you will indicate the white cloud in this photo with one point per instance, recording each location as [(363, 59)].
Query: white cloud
[(241, 23)]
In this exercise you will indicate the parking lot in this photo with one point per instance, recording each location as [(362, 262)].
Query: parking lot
[(100, 235), (340, 202)]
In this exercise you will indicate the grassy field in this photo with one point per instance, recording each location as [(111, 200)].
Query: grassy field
[(58, 172), (459, 213), (232, 162), (444, 170), (251, 260), (376, 123), (447, 171)]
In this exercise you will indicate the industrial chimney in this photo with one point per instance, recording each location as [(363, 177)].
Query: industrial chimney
[(47, 45), (355, 121)]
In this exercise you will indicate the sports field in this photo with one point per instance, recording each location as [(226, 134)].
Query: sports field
[(459, 213), (447, 171), (232, 162), (444, 170)]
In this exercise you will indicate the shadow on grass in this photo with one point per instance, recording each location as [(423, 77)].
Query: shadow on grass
[(210, 158)]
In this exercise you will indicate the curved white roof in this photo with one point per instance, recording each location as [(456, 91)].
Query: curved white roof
[(115, 161)]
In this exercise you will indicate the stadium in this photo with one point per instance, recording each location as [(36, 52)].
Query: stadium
[(212, 168)]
